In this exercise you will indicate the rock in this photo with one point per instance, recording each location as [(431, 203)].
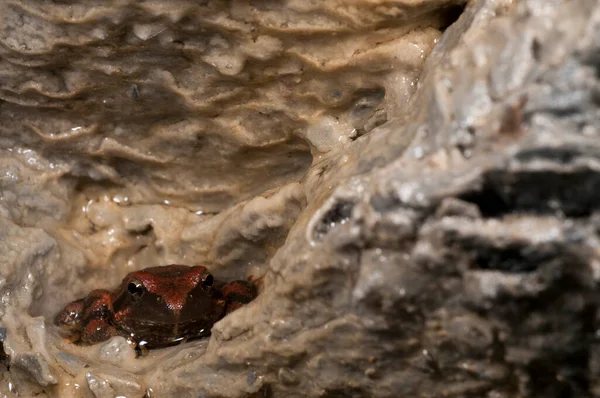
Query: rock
[(105, 385), (37, 366), (117, 351), (419, 185)]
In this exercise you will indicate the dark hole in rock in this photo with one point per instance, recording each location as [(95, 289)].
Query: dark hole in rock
[(4, 358), (451, 14), (573, 194), (560, 155), (338, 214), (536, 49), (265, 392), (347, 392), (572, 382), (513, 258), (488, 199), (570, 193)]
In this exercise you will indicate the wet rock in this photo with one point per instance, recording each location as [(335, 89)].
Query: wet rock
[(426, 218), (70, 363), (36, 365), (105, 385), (287, 376), (117, 351)]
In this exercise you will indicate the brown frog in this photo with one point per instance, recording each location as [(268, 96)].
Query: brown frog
[(156, 307)]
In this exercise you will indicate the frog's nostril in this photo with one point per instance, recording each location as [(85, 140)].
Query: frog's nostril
[(70, 315)]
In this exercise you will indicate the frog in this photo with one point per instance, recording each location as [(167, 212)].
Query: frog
[(156, 307)]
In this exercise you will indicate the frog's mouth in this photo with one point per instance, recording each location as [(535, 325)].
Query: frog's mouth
[(153, 334)]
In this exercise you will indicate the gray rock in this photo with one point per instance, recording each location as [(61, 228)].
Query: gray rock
[(105, 385), (117, 351), (37, 366)]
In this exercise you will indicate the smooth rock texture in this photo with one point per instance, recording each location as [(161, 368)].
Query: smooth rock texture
[(421, 195)]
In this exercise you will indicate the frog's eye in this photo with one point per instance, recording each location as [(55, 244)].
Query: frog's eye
[(136, 289), (207, 280)]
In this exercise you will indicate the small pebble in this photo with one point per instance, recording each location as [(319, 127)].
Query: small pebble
[(251, 378), (117, 350)]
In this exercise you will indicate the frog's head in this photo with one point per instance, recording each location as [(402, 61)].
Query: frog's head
[(161, 304)]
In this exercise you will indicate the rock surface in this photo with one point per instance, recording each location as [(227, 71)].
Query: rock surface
[(424, 205)]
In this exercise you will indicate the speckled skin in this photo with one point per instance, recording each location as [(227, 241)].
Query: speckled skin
[(155, 307)]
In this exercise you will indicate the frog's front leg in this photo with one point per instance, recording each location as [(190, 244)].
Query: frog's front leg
[(70, 319), (97, 330), (239, 293), (97, 316)]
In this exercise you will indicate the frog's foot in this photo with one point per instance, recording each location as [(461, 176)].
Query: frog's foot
[(97, 330), (73, 338), (257, 282), (238, 293), (141, 349)]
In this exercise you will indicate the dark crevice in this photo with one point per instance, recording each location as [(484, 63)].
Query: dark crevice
[(563, 155), (489, 201), (338, 214), (536, 49), (570, 382), (487, 257), (4, 358), (514, 258), (345, 392), (451, 15), (570, 193)]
